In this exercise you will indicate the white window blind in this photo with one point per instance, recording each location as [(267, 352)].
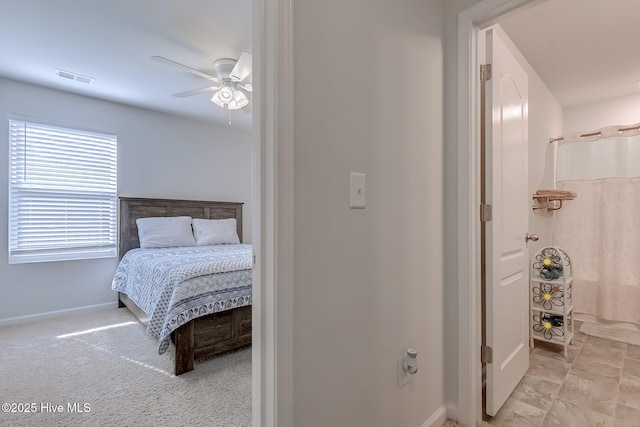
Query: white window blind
[(62, 193)]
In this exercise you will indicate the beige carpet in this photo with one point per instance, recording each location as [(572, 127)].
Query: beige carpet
[(115, 376), (612, 333)]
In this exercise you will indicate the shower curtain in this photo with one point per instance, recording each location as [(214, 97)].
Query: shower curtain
[(600, 229)]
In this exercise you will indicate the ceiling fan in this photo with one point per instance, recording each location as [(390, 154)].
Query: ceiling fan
[(231, 76)]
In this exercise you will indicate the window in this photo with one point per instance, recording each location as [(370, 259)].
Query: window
[(62, 193)]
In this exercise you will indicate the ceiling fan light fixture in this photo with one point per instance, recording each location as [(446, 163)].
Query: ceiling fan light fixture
[(239, 100), (230, 97), (226, 93), (222, 96)]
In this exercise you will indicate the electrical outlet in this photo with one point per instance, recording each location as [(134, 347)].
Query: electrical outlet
[(403, 376)]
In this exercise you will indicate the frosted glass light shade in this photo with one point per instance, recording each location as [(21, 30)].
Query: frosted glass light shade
[(229, 96)]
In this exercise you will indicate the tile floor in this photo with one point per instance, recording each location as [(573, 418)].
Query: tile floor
[(598, 384)]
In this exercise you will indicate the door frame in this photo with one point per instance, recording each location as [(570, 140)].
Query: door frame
[(272, 135), (470, 21)]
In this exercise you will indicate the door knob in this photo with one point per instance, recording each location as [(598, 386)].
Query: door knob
[(528, 237)]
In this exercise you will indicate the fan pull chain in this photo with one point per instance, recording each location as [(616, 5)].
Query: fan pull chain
[(228, 114)]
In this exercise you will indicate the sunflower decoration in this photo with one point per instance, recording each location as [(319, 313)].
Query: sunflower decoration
[(546, 326), (548, 295), (548, 263)]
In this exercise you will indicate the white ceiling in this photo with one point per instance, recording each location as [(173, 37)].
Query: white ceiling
[(584, 50), (113, 41)]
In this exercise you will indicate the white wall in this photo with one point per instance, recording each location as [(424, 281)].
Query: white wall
[(368, 283), (545, 121), (623, 111), (159, 155)]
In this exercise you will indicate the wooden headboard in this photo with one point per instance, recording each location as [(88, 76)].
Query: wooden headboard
[(133, 208)]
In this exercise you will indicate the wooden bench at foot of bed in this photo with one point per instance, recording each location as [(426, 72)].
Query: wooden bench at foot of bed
[(210, 335), (204, 336)]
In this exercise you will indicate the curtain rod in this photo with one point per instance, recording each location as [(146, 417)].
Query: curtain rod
[(597, 133)]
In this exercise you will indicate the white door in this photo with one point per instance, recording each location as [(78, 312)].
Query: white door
[(507, 274)]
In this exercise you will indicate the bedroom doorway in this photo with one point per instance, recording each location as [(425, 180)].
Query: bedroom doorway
[(148, 167), (273, 201)]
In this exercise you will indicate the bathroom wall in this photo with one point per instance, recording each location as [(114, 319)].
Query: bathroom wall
[(623, 111)]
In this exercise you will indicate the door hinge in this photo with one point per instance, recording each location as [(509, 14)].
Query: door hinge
[(254, 260), (485, 213), (486, 354), (485, 72)]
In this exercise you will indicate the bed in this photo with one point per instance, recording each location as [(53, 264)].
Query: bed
[(200, 334)]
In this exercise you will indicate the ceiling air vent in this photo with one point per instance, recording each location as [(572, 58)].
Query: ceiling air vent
[(74, 76)]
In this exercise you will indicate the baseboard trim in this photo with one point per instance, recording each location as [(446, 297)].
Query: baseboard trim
[(437, 419), (52, 314), (452, 412)]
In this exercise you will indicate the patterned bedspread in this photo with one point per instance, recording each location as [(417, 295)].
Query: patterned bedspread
[(175, 285)]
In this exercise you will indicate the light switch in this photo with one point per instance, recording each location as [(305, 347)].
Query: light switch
[(356, 190)]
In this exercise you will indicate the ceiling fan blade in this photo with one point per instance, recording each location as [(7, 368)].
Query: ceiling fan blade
[(243, 67), (185, 68), (246, 86), (196, 91)]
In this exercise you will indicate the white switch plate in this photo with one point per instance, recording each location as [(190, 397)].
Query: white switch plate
[(356, 190)]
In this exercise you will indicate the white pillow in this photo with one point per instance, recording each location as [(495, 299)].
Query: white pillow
[(165, 232), (215, 231)]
